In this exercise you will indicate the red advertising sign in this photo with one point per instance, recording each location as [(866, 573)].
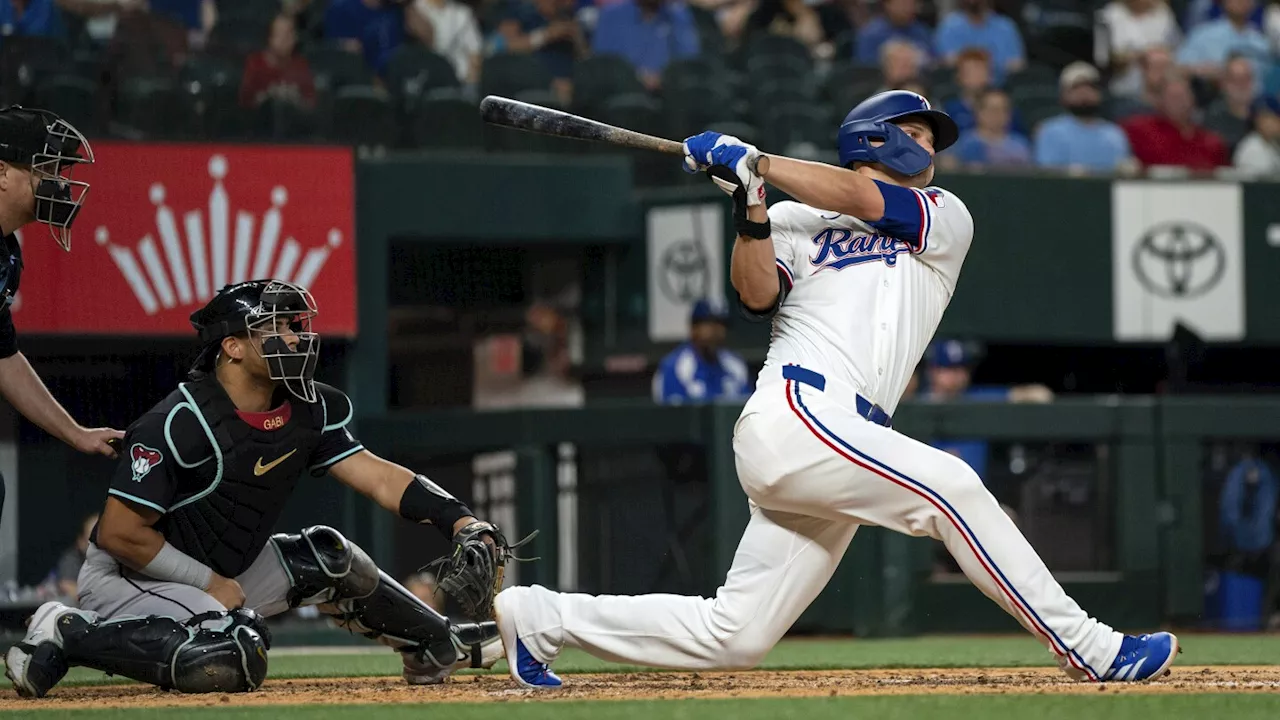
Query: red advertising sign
[(165, 226)]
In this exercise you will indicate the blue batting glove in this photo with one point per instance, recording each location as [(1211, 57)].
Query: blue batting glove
[(697, 151), (735, 158)]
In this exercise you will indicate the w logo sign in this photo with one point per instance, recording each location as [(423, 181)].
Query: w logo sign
[(166, 226)]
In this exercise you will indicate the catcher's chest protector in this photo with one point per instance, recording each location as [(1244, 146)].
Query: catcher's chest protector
[(245, 484)]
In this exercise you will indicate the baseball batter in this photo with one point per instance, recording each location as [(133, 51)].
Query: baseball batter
[(855, 277)]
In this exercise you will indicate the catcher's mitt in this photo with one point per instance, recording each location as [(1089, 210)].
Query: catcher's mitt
[(472, 575)]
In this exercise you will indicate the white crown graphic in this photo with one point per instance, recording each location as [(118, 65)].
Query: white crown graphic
[(170, 274)]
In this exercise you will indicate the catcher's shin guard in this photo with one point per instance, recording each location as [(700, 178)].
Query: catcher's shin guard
[(327, 570), (211, 652), (396, 617)]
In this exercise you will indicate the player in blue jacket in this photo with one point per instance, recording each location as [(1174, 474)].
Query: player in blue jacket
[(700, 369)]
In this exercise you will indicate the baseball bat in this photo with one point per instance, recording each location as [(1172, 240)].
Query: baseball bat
[(548, 121)]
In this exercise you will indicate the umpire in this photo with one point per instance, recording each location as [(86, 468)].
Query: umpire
[(38, 152)]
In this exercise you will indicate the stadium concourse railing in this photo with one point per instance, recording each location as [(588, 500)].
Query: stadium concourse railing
[(883, 587)]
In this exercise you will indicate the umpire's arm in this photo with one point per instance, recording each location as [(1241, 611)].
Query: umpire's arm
[(24, 390)]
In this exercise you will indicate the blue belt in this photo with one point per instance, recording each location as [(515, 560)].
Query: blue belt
[(865, 407)]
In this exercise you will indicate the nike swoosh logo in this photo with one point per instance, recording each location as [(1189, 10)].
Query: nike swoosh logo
[(259, 468)]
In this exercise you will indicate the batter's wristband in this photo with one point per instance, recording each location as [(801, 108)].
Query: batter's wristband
[(424, 501), (747, 228)]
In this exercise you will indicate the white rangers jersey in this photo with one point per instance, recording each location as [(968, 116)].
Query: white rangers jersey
[(861, 301)]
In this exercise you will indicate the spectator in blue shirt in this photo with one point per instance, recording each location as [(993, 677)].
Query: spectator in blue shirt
[(700, 369), (33, 18), (975, 24), (373, 28), (898, 22), (190, 13), (1202, 11), (1209, 45), (991, 144), (949, 367), (1080, 139), (197, 16), (549, 29), (973, 77), (648, 33)]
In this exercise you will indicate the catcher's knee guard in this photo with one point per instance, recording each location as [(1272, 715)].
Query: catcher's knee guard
[(324, 566), (222, 651), (333, 573)]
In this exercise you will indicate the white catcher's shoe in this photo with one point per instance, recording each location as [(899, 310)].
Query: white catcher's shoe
[(37, 663)]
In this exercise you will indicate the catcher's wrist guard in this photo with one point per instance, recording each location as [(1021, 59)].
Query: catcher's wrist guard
[(426, 502), (472, 574)]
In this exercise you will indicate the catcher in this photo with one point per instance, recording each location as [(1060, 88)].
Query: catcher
[(182, 567)]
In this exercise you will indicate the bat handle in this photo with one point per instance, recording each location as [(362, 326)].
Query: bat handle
[(760, 165)]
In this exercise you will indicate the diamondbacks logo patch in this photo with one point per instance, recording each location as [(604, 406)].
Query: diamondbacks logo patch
[(142, 459)]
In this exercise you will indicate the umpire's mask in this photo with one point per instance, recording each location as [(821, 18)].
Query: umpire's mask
[(51, 147), (273, 313)]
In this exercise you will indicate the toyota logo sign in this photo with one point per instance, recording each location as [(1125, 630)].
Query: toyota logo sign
[(1179, 260)]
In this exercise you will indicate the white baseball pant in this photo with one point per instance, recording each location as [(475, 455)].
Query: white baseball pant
[(814, 470)]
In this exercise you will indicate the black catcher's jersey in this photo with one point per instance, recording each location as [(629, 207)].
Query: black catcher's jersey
[(219, 477)]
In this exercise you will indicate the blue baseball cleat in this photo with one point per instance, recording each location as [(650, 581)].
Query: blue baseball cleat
[(526, 670), (1143, 657)]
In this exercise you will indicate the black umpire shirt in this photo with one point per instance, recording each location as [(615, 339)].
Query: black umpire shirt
[(8, 335)]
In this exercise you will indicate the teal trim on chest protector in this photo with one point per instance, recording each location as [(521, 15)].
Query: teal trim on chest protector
[(217, 452), (168, 437), (324, 406)]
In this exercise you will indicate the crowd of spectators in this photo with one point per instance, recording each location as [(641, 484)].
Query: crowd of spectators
[(1103, 86)]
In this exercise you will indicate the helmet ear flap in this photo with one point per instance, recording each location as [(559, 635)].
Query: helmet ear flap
[(898, 151)]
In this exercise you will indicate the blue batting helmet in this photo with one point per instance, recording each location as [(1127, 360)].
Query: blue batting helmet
[(709, 309), (952, 352), (874, 118)]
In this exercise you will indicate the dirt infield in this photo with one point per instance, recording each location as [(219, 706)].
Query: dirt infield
[(661, 685)]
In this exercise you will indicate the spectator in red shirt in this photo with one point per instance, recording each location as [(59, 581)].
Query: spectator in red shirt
[(1170, 136), (277, 71)]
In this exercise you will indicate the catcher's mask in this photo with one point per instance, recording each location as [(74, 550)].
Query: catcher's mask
[(51, 148), (274, 313)]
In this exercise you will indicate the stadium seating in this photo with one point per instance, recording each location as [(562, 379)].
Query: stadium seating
[(74, 98), (413, 70), (443, 118), (148, 83), (335, 68), (364, 116), (599, 78), (509, 75), (155, 108)]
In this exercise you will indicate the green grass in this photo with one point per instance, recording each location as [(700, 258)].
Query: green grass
[(825, 654), (970, 707)]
